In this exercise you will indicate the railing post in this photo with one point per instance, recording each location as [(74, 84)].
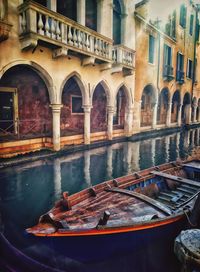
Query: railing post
[(31, 19)]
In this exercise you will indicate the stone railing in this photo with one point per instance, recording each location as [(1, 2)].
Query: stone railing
[(124, 56), (39, 23), (5, 27)]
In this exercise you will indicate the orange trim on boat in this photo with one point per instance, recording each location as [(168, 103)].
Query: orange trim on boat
[(105, 231)]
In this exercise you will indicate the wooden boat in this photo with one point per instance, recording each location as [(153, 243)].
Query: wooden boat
[(123, 213)]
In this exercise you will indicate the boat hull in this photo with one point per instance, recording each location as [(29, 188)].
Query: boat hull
[(90, 248)]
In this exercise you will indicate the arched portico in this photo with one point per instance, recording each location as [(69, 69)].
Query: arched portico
[(100, 99), (29, 102), (186, 109), (163, 103), (176, 101), (148, 106), (123, 110)]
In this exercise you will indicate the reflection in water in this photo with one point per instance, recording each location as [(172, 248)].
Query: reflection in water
[(32, 188)]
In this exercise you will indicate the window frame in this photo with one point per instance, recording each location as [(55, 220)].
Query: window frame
[(71, 104), (153, 49), (189, 71)]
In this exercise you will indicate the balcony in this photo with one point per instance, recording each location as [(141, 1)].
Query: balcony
[(123, 60), (180, 75), (168, 72), (39, 25), (4, 30)]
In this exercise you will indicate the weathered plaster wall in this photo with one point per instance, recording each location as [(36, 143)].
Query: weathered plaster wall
[(33, 101)]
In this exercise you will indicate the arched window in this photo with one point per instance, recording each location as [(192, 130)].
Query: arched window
[(91, 14), (68, 8), (117, 22)]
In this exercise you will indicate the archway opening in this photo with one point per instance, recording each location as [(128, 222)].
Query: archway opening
[(72, 114), (24, 112), (193, 112), (185, 113), (176, 100), (147, 101), (163, 103), (99, 110), (119, 111)]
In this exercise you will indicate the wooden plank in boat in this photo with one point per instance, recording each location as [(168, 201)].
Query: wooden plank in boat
[(194, 165), (176, 178), (144, 198)]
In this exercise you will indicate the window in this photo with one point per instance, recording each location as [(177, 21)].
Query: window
[(183, 12), (8, 110), (76, 104), (167, 55), (67, 8), (189, 68), (180, 62), (91, 14), (191, 24), (117, 15), (151, 48)]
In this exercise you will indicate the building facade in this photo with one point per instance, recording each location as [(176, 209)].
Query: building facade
[(69, 73), (166, 86)]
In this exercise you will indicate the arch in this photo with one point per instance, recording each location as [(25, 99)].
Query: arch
[(148, 100), (34, 113), (99, 107), (72, 113), (186, 108), (163, 104), (107, 89), (176, 101), (81, 85), (38, 69), (129, 95)]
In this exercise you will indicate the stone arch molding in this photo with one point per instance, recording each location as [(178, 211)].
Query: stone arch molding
[(40, 71), (154, 92), (81, 84), (107, 89), (129, 95)]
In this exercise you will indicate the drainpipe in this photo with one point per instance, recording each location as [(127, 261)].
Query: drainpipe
[(195, 43), (158, 69)]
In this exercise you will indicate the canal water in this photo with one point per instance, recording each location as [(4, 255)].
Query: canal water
[(29, 190)]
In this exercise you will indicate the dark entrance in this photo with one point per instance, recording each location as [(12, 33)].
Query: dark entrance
[(6, 112)]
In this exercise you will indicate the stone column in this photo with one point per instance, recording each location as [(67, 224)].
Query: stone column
[(87, 111), (178, 136), (198, 117), (56, 108), (179, 114), (110, 111), (154, 117), (129, 122), (195, 114), (188, 114), (169, 111), (81, 7)]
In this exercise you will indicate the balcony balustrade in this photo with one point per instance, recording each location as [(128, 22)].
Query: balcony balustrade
[(5, 27), (123, 58), (168, 71), (180, 75), (38, 24)]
